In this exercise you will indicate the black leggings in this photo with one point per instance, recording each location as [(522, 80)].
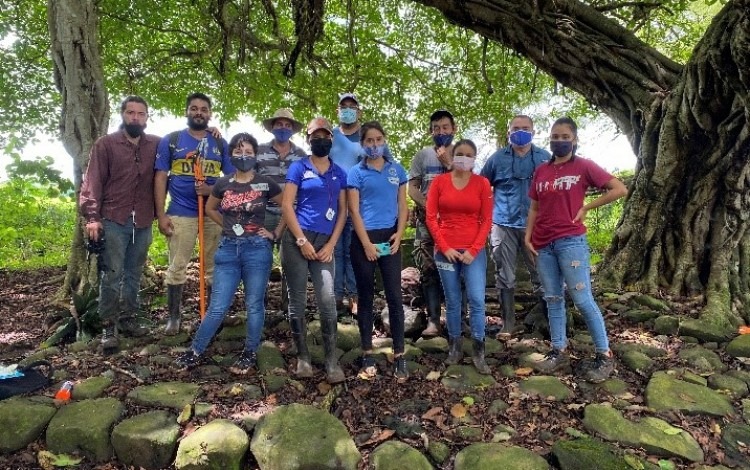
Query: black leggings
[(364, 273)]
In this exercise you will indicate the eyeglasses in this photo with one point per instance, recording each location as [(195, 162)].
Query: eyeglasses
[(243, 155), (516, 174)]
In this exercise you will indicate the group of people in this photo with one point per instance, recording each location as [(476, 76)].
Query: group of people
[(337, 215)]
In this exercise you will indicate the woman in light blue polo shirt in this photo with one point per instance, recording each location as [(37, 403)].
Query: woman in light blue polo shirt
[(314, 225), (377, 206)]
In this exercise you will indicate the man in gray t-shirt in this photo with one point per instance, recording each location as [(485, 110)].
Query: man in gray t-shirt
[(426, 165)]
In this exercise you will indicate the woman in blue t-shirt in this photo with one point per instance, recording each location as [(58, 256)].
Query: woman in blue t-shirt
[(244, 252), (314, 225), (377, 206)]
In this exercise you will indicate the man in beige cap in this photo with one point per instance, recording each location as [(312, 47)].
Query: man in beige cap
[(274, 158)]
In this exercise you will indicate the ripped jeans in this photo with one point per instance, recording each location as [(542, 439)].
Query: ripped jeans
[(566, 261)]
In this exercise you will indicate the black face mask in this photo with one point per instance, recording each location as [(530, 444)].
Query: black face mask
[(320, 146), (244, 163), (134, 130)]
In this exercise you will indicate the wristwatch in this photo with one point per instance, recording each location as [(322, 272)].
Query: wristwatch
[(301, 241)]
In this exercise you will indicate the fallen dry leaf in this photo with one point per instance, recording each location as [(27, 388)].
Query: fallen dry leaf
[(432, 413), (380, 437), (458, 410), (524, 371), (434, 375)]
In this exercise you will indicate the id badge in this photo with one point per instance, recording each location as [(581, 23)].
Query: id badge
[(238, 229), (330, 214)]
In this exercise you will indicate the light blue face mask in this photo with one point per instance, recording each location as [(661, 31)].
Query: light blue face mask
[(347, 116), (375, 151)]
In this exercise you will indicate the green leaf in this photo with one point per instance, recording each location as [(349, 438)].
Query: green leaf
[(672, 431), (468, 401), (59, 460), (666, 465), (633, 462)]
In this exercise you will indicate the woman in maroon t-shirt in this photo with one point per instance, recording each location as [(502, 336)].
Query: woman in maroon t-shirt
[(556, 235)]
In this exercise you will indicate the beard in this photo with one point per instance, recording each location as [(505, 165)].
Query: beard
[(134, 129), (197, 126)]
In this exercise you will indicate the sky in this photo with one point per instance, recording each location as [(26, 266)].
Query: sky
[(597, 141)]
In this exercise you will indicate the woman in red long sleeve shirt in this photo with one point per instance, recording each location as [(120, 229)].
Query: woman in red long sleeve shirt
[(459, 217)]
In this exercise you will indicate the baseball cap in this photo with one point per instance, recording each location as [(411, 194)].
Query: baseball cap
[(350, 96), (319, 123)]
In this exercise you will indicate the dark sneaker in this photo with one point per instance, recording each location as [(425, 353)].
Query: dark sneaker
[(554, 360), (109, 339), (600, 369), (400, 372), (367, 367), (188, 360), (248, 360)]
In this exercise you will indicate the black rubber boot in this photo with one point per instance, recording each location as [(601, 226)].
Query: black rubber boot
[(432, 300), (110, 342), (455, 353), (507, 299), (174, 303), (478, 357), (334, 374), (299, 335)]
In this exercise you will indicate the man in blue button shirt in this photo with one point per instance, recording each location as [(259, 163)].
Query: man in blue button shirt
[(510, 170)]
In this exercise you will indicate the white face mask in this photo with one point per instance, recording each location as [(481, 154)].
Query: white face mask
[(463, 162)]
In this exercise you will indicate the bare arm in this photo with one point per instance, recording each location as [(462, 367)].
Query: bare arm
[(290, 218), (325, 254), (212, 210), (403, 216), (415, 193), (530, 221), (160, 198)]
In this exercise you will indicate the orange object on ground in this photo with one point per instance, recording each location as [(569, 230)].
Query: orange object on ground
[(744, 330), (64, 393)]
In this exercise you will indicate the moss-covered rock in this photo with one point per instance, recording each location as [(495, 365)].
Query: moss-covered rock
[(84, 427), (650, 302), (702, 360), (650, 351), (468, 433), (735, 439), (639, 315), (705, 331), (667, 393), (21, 422), (219, 445), (483, 456), (497, 407), (462, 379), (587, 453), (173, 395), (439, 451), (435, 345), (301, 436), (546, 387), (270, 358), (91, 388), (347, 337), (653, 434), (739, 346), (637, 361), (737, 387), (147, 440), (666, 325), (396, 455)]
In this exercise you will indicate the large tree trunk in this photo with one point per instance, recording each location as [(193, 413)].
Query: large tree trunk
[(78, 74), (687, 212)]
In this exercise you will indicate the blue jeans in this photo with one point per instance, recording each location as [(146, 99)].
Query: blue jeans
[(344, 273), (125, 251), (296, 268), (247, 259), (566, 260), (475, 280)]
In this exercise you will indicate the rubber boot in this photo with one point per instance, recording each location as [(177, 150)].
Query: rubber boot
[(507, 299), (478, 357), (174, 302), (455, 353), (432, 299), (334, 374), (299, 335)]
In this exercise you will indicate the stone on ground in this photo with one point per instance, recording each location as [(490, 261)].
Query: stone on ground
[(587, 453), (301, 436), (545, 386), (84, 427), (147, 440), (173, 395), (736, 439), (737, 387), (22, 422), (269, 358), (666, 393), (653, 434), (347, 336), (637, 361), (462, 378), (435, 345), (482, 456), (702, 359), (666, 325), (396, 455), (91, 388), (739, 346), (705, 331), (650, 302), (219, 445)]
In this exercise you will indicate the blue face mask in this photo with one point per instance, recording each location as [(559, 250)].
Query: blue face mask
[(561, 148), (347, 116), (442, 140), (282, 134), (521, 138), (376, 151)]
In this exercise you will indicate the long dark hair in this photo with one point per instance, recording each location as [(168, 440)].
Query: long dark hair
[(367, 126)]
